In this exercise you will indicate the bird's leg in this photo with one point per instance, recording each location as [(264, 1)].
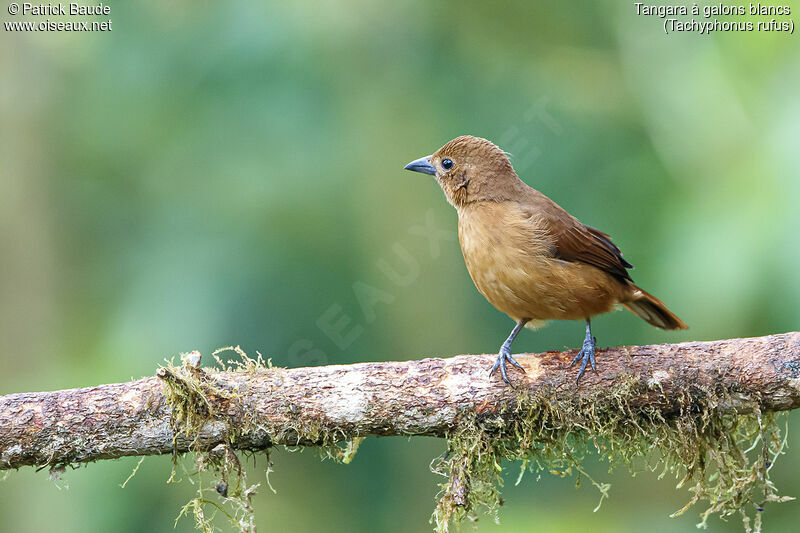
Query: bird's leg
[(505, 352), (586, 355)]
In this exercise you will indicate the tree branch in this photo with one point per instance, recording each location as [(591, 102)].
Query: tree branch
[(307, 406)]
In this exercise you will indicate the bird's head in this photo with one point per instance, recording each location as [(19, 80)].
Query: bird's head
[(470, 169)]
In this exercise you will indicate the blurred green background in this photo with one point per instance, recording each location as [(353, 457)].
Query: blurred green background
[(207, 175)]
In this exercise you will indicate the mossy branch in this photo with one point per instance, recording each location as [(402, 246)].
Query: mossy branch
[(693, 402)]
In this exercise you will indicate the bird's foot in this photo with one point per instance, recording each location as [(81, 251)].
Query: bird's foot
[(503, 357), (586, 356)]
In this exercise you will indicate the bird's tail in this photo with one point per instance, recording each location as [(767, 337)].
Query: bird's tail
[(653, 310)]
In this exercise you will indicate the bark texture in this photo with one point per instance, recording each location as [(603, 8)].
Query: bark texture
[(306, 406)]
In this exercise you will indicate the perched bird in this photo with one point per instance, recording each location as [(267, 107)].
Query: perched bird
[(530, 258)]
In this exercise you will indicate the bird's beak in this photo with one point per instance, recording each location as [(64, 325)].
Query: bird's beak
[(423, 164)]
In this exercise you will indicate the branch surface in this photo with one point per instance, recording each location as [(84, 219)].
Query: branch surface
[(268, 406)]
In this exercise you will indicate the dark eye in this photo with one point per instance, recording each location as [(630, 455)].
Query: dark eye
[(447, 164)]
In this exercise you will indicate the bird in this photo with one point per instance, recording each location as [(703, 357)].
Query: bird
[(527, 255)]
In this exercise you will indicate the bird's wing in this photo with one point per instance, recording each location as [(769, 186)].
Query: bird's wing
[(577, 242)]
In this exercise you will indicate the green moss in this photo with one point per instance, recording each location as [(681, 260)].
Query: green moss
[(723, 458), (187, 392), (222, 488), (224, 492)]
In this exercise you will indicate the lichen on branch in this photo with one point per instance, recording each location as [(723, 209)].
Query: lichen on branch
[(197, 399), (704, 412), (724, 458)]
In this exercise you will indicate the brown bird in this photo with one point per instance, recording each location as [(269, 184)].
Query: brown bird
[(530, 258)]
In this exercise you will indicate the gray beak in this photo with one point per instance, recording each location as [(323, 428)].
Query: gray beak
[(423, 164)]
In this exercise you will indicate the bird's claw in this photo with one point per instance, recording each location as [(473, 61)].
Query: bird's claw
[(586, 356), (503, 357)]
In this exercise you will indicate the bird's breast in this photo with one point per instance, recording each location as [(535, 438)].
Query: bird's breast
[(505, 253), (510, 257)]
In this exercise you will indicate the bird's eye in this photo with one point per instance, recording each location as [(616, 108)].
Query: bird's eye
[(447, 164)]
